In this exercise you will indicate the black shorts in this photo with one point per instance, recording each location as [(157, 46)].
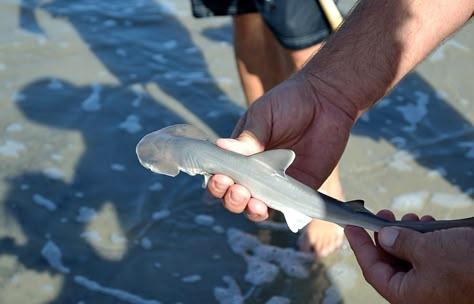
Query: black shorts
[(295, 24)]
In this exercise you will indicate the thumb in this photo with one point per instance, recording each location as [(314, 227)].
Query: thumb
[(400, 242), (245, 144)]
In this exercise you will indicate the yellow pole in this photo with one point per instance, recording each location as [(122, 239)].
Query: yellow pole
[(332, 13)]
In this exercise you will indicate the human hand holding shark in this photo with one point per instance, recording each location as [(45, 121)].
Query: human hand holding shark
[(186, 148), (315, 124), (405, 266)]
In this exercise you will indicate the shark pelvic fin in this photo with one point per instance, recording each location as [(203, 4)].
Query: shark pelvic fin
[(278, 160), (295, 220), (206, 179)]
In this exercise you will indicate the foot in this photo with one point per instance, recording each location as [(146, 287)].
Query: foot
[(323, 237)]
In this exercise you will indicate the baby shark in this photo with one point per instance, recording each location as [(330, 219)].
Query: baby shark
[(188, 149)]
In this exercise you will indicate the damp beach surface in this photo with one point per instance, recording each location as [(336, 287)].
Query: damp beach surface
[(81, 221)]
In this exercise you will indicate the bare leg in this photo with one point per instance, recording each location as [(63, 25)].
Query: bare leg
[(320, 236), (259, 57), (248, 48), (262, 64)]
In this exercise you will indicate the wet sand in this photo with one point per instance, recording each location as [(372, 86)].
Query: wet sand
[(82, 222)]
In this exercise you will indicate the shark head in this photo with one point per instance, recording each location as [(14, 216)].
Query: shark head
[(155, 150), (153, 155)]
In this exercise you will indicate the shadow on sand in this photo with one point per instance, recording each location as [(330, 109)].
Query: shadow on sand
[(163, 79)]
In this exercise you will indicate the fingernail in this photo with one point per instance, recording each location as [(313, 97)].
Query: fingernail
[(388, 235)]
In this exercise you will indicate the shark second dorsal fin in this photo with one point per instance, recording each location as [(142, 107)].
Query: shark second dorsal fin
[(279, 159), (357, 206), (295, 220)]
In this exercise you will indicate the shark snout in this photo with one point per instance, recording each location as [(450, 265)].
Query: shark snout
[(155, 155)]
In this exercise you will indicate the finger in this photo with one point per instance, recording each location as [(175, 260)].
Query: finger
[(236, 198), (400, 242), (427, 218), (256, 123), (219, 184), (410, 217), (245, 144), (376, 271), (256, 210), (386, 214), (250, 143), (358, 238)]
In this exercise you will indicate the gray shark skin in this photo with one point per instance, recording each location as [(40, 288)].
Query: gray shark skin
[(186, 148)]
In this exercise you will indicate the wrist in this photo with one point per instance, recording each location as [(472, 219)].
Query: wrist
[(329, 93), (379, 43)]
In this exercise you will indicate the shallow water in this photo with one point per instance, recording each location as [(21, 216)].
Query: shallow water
[(82, 222)]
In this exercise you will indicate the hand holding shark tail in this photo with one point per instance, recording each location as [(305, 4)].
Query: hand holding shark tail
[(262, 178)]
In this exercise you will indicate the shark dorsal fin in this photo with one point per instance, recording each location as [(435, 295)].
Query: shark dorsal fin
[(184, 130), (279, 159)]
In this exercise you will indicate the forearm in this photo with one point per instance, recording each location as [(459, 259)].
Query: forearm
[(379, 43)]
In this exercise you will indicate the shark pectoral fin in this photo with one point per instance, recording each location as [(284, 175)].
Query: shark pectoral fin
[(206, 179), (279, 159), (295, 220), (170, 170)]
